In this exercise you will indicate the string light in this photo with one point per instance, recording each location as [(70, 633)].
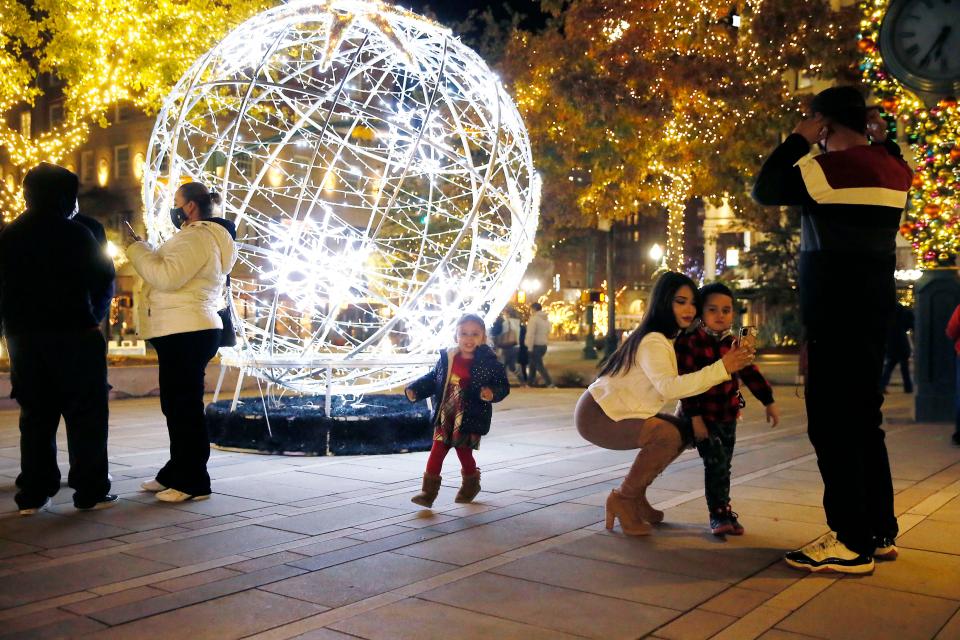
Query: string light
[(639, 105), (931, 224), (103, 52), (380, 179)]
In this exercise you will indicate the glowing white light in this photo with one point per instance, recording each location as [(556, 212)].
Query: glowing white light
[(656, 253), (908, 275), (531, 285), (112, 250), (380, 179), (733, 257)]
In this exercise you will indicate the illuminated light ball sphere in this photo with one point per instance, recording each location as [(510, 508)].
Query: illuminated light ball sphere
[(380, 178)]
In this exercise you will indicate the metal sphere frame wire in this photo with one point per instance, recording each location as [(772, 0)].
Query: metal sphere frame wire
[(380, 178)]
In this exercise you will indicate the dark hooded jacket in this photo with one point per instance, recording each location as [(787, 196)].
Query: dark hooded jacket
[(52, 269)]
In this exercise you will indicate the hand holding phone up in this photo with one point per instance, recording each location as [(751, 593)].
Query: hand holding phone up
[(132, 235)]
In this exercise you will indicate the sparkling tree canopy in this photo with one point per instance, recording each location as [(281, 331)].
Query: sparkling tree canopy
[(380, 178)]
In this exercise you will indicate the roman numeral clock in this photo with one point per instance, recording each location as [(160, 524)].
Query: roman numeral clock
[(920, 45)]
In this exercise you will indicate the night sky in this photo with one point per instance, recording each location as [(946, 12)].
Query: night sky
[(455, 10)]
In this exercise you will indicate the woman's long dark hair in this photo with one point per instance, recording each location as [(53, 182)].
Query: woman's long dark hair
[(659, 318)]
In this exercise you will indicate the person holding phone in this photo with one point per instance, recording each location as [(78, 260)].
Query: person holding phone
[(852, 197), (714, 412), (183, 288), (622, 408)]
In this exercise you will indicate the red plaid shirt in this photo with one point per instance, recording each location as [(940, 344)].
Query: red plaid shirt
[(720, 403)]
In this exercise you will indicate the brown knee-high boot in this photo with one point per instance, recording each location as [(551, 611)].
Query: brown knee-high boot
[(470, 487), (661, 447), (428, 492)]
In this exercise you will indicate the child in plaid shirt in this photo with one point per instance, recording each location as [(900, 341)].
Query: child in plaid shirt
[(714, 412)]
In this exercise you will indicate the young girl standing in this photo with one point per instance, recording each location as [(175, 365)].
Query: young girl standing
[(620, 409), (464, 382)]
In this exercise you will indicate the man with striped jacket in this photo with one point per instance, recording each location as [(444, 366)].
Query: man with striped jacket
[(852, 196)]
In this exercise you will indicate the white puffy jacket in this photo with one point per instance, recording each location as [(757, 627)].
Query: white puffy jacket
[(183, 279)]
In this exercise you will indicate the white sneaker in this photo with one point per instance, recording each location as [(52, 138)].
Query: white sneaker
[(173, 495), (152, 486), (29, 511), (826, 554)]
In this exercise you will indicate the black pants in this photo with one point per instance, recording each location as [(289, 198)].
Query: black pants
[(54, 375), (717, 454), (183, 359), (537, 366), (891, 364), (843, 410)]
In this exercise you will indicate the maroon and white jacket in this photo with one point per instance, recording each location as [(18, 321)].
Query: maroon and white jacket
[(852, 202)]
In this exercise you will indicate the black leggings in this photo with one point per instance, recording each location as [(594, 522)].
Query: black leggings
[(183, 359)]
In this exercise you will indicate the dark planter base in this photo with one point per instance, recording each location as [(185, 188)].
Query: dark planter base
[(384, 424)]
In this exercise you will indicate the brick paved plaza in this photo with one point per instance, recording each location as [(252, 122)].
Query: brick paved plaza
[(332, 548)]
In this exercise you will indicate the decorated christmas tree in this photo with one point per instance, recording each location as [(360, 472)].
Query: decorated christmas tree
[(931, 223)]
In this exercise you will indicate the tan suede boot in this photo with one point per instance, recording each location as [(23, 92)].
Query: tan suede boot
[(470, 487), (625, 510), (656, 454), (645, 509), (428, 493)]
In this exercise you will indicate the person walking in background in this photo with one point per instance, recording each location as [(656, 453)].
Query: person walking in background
[(183, 286), (714, 412), (621, 409), (538, 334), (508, 343), (53, 279), (953, 332), (464, 384), (853, 196), (898, 349)]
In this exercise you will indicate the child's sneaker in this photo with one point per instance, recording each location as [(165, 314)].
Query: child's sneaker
[(826, 553), (736, 529), (719, 522), (886, 549)]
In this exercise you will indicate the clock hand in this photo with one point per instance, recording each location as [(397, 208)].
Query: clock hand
[(937, 46)]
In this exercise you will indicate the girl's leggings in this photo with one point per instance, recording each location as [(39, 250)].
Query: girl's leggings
[(439, 451)]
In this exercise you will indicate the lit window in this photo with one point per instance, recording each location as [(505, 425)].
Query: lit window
[(56, 114), (26, 123), (121, 161), (86, 167), (244, 164)]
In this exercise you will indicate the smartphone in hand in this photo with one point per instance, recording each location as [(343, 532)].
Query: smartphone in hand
[(747, 337), (132, 231)]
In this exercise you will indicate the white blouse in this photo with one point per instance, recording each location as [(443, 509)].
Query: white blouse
[(652, 382)]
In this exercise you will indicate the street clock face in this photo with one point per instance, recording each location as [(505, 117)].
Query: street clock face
[(920, 44)]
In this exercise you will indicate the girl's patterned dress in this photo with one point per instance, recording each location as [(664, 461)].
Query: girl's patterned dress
[(447, 430)]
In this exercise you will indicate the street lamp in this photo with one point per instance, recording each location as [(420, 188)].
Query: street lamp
[(656, 253)]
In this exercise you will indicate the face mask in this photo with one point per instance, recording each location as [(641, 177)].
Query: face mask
[(178, 217)]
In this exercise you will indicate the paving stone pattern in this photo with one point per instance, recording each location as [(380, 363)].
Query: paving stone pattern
[(332, 549)]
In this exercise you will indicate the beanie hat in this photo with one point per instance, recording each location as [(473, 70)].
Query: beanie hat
[(844, 106)]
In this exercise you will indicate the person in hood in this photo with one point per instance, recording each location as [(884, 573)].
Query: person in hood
[(183, 288), (52, 275)]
